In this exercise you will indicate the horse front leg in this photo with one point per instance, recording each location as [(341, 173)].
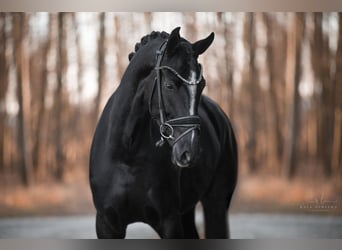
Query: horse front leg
[(215, 208), (108, 229), (189, 225), (171, 227), (216, 224)]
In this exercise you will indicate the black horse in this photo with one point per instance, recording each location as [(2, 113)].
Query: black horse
[(160, 146)]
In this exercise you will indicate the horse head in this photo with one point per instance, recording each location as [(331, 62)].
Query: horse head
[(179, 83)]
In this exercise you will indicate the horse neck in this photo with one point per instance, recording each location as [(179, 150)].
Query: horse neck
[(143, 61), (125, 94)]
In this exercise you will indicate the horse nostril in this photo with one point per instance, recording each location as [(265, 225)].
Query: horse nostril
[(185, 157)]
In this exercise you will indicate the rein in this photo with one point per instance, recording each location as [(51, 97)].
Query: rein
[(166, 129)]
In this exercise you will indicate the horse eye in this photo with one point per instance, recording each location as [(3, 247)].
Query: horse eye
[(169, 85)]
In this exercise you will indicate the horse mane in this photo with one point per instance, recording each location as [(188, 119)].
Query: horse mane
[(145, 39)]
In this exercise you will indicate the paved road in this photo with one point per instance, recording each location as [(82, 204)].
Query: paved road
[(246, 226)]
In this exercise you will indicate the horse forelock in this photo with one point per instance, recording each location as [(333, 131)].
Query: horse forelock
[(187, 61)]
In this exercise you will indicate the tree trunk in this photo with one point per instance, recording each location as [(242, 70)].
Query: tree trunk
[(120, 47), (101, 64), (273, 72), (327, 115), (4, 68), (251, 144), (324, 100), (80, 69), (190, 26), (227, 90), (23, 95), (316, 56), (337, 143), (38, 149), (295, 114), (148, 19), (61, 69)]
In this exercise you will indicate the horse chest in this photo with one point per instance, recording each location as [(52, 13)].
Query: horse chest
[(133, 188)]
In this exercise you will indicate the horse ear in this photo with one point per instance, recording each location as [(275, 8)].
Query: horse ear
[(173, 41), (202, 45)]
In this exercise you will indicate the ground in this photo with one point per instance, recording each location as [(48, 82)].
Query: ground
[(258, 194), (263, 206), (242, 226)]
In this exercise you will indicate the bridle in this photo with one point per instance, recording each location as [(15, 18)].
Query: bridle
[(166, 128)]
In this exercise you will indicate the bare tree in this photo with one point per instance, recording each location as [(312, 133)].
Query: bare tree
[(4, 69), (148, 19), (38, 148), (316, 56), (190, 25), (61, 70), (337, 144), (80, 69), (295, 113), (120, 48), (324, 100), (101, 63), (327, 108), (253, 85), (227, 88), (276, 73), (23, 94)]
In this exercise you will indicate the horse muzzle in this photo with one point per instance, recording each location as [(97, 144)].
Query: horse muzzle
[(186, 151)]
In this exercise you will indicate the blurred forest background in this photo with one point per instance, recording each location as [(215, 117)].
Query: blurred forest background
[(277, 75)]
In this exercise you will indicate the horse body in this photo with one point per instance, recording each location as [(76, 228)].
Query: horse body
[(133, 180)]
